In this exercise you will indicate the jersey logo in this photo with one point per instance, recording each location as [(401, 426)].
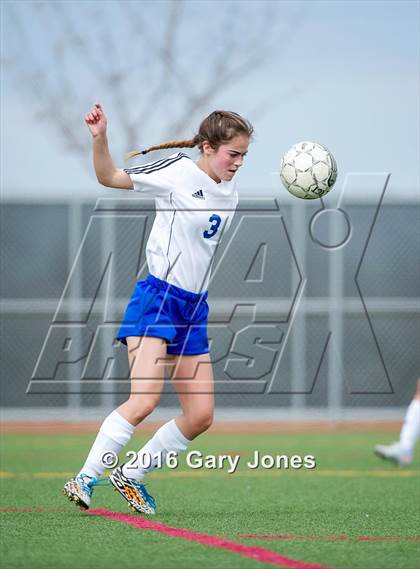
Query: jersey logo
[(199, 194)]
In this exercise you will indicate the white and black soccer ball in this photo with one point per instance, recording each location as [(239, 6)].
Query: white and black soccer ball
[(308, 170)]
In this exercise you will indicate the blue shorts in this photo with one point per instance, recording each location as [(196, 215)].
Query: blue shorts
[(163, 310)]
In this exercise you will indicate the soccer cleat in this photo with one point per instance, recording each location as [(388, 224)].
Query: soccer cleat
[(133, 491), (79, 490), (395, 453)]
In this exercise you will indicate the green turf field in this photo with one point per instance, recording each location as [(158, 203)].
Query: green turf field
[(350, 493)]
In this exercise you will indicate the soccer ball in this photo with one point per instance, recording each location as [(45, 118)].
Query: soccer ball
[(308, 170)]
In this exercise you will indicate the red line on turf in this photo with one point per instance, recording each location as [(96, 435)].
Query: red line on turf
[(258, 553), (330, 537)]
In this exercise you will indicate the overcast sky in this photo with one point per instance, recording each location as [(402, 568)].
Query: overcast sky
[(347, 77)]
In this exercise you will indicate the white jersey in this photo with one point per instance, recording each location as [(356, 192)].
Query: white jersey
[(192, 214)]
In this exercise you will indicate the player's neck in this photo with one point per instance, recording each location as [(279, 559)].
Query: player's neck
[(201, 163)]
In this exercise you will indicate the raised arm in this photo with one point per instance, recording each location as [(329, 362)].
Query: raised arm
[(106, 172)]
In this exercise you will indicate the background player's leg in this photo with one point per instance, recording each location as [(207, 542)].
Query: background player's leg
[(411, 427), (192, 377), (402, 451)]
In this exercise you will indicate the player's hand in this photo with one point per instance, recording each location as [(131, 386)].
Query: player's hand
[(96, 120)]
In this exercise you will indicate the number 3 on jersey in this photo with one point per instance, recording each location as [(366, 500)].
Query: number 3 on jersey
[(216, 219)]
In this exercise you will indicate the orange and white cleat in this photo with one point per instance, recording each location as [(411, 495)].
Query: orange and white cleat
[(133, 491)]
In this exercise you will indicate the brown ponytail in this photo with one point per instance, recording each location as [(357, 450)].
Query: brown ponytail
[(171, 144), (218, 128)]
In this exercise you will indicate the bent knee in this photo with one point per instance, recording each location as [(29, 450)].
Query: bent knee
[(200, 423), (142, 406)]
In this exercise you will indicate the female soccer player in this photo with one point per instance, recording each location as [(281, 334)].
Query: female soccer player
[(167, 313)]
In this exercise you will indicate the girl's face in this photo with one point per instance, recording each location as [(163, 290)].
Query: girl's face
[(223, 163)]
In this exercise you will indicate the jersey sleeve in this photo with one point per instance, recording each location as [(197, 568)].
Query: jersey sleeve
[(156, 178)]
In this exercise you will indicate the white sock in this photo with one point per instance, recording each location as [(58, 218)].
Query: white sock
[(166, 439), (114, 434), (411, 428)]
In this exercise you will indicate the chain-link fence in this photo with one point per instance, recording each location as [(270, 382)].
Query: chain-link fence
[(311, 310)]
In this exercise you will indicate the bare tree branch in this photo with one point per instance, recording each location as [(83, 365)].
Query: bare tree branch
[(166, 56), (114, 48)]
